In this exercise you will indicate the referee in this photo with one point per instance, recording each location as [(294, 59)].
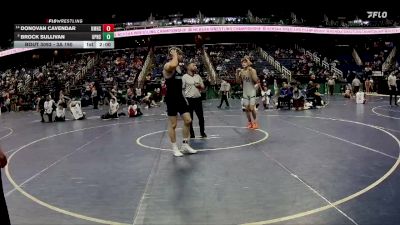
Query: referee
[(192, 85)]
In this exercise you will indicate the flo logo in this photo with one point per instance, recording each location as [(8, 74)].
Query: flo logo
[(377, 14)]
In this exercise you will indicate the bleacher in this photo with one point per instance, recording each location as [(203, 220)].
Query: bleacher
[(226, 59)]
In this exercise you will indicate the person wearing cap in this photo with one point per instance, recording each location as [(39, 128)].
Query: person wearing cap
[(247, 76), (176, 102), (4, 217)]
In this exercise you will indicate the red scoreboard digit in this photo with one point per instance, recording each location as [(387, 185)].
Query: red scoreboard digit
[(108, 27)]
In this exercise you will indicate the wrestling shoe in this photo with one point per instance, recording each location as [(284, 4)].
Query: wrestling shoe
[(187, 149)]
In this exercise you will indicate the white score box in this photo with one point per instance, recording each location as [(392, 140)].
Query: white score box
[(89, 44), (104, 44)]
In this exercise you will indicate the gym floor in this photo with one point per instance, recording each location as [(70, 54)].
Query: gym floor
[(335, 165)]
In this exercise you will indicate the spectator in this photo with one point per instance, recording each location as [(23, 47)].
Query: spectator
[(285, 96), (298, 98), (7, 103), (113, 111), (129, 95), (356, 84), (76, 110), (331, 85), (41, 107), (95, 97), (60, 112), (392, 88), (49, 107), (347, 92), (134, 110), (266, 95), (371, 82), (367, 85), (224, 90), (147, 100), (317, 96)]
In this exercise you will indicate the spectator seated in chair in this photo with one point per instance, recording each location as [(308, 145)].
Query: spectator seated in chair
[(298, 98), (310, 94), (285, 96)]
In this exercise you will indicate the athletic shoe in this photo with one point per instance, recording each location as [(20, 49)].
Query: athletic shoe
[(187, 149), (249, 125), (254, 126), (177, 153)]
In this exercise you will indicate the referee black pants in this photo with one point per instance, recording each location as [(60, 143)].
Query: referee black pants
[(224, 97), (392, 92), (196, 105), (4, 218)]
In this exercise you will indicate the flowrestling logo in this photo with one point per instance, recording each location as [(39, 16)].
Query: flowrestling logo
[(377, 14), (64, 20)]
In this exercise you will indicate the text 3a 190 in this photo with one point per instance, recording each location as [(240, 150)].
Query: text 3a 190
[(63, 44)]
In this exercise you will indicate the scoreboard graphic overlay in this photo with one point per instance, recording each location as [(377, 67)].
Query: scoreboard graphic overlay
[(73, 36)]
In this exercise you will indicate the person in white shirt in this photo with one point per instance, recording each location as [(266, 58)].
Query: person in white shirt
[(76, 110), (392, 88), (224, 90), (265, 96), (113, 111), (360, 97), (356, 85), (49, 106), (192, 85), (114, 106)]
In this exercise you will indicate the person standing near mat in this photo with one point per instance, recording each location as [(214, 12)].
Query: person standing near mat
[(192, 85), (247, 76), (224, 90), (4, 217), (392, 88), (176, 102)]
